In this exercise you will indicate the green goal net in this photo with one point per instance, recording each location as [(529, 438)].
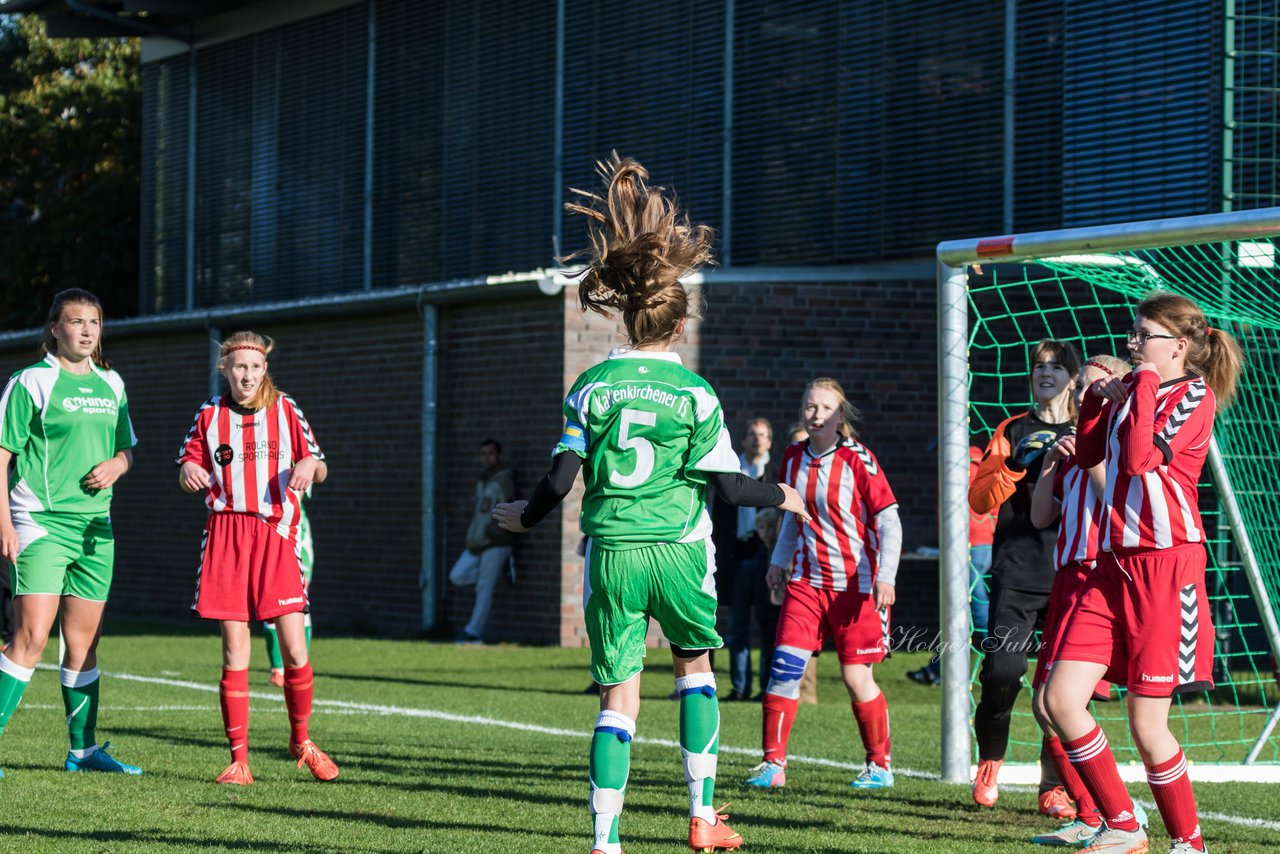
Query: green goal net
[(1088, 299)]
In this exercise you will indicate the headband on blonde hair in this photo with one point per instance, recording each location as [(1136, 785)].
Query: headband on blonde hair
[(1093, 364), (246, 347)]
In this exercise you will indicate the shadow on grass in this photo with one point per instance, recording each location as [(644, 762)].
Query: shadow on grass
[(401, 823), (135, 839)]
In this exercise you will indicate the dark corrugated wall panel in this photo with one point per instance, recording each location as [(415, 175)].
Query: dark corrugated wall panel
[(1141, 127), (408, 212), (864, 131), (1037, 186), (163, 232), (647, 81), (280, 162), (499, 108), (1256, 166)]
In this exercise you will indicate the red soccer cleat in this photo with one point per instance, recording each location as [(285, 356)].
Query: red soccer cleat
[(705, 837), (985, 792), (1057, 804), (237, 774), (277, 678), (322, 767)]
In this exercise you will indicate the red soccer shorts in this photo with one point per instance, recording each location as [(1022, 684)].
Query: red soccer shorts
[(1068, 585), (1145, 614), (809, 615), (247, 570)]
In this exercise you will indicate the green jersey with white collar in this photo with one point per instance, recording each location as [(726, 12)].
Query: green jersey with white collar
[(59, 425), (648, 429)]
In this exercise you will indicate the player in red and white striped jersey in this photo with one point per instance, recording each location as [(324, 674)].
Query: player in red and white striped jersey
[(1070, 496), (1143, 618), (253, 454), (844, 564)]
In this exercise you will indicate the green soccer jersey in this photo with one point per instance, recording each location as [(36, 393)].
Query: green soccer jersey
[(59, 425), (648, 429)]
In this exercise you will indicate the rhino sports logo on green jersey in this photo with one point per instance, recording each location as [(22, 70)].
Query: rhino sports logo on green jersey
[(89, 405)]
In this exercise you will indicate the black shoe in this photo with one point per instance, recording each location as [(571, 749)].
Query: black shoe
[(736, 697), (927, 675)]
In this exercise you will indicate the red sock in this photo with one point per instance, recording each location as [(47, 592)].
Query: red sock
[(873, 725), (233, 692), (1175, 800), (1086, 809), (1092, 759), (298, 682), (779, 715)]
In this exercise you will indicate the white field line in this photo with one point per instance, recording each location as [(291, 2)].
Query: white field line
[(345, 707)]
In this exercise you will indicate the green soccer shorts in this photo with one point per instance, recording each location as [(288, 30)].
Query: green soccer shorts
[(64, 554), (673, 583)]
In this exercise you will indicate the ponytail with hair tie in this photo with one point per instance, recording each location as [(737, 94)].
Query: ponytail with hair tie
[(641, 244)]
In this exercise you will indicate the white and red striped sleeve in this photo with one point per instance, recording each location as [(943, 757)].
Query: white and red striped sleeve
[(873, 486), (1078, 522), (194, 448), (301, 437), (1156, 452)]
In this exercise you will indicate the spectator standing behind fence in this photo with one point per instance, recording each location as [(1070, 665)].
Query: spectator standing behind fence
[(488, 549), (749, 562)]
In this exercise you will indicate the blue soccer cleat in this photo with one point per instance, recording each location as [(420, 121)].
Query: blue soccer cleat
[(100, 760), (1073, 835), (767, 774), (873, 777)]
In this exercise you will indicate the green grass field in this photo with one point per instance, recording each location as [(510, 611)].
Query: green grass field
[(434, 759)]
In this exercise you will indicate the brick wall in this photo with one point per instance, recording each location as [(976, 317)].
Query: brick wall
[(344, 374), (501, 376), (760, 345), (504, 367)]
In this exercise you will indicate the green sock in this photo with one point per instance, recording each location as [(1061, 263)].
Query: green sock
[(273, 646), (13, 681), (699, 740), (80, 699), (610, 764)]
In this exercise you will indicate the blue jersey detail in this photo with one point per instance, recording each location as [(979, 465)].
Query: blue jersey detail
[(574, 437), (622, 734)]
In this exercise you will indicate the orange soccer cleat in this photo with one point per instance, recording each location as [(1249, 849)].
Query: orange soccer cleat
[(1057, 804), (984, 784), (705, 837), (237, 774), (277, 678), (322, 767)]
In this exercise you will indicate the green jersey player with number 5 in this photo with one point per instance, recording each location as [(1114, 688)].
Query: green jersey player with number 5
[(650, 439)]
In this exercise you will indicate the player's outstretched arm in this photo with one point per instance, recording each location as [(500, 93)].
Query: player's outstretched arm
[(737, 488), (520, 516)]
